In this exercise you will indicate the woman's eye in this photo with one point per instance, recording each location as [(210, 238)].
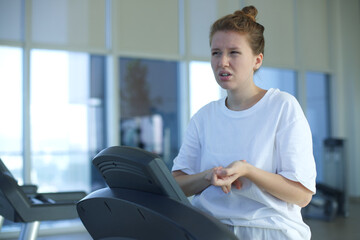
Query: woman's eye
[(215, 53), (235, 52)]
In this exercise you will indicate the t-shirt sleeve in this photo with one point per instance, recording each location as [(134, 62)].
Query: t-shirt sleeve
[(295, 150), (189, 155)]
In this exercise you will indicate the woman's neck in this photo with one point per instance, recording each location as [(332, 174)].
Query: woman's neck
[(242, 100)]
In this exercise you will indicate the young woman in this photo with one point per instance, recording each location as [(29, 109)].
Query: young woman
[(248, 157)]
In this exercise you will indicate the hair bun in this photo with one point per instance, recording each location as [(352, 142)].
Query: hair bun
[(250, 11)]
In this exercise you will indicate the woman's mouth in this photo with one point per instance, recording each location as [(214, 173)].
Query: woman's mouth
[(224, 76)]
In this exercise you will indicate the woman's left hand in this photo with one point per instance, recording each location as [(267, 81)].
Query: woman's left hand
[(228, 176)]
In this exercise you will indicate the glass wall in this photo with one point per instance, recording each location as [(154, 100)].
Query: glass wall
[(283, 79), (64, 120), (318, 115), (149, 106), (203, 87), (11, 74)]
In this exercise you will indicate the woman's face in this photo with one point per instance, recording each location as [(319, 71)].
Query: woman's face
[(232, 60)]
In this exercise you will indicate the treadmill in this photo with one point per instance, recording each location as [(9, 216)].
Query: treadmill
[(143, 201)]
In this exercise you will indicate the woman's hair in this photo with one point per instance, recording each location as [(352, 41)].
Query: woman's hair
[(242, 21)]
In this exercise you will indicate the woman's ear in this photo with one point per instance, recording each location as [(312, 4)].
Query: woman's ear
[(258, 61)]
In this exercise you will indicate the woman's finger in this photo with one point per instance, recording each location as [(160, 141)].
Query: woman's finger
[(237, 183), (226, 188)]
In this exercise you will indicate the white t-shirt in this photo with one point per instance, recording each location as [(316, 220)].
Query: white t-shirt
[(272, 135)]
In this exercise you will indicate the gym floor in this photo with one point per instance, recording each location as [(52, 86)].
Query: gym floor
[(346, 228)]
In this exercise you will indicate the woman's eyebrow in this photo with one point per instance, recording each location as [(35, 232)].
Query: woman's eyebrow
[(231, 48)]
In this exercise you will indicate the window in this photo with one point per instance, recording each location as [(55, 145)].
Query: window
[(203, 86), (65, 110), (11, 110), (202, 77), (283, 79), (149, 106), (317, 112)]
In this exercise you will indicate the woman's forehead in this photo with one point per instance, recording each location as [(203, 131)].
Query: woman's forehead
[(228, 39)]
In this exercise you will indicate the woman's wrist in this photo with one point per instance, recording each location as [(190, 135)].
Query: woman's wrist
[(208, 175), (249, 170)]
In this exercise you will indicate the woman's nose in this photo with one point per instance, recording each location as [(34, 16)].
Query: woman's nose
[(223, 61)]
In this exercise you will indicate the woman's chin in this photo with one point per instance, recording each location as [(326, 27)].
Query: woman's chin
[(225, 85)]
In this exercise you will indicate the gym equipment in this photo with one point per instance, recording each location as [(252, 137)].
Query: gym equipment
[(24, 204), (331, 198), (142, 201)]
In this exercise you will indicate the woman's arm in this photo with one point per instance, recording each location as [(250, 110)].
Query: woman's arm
[(275, 184), (193, 184)]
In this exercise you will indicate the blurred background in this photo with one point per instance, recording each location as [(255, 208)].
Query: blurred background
[(78, 76)]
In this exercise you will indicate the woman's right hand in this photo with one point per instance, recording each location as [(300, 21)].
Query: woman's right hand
[(226, 177)]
